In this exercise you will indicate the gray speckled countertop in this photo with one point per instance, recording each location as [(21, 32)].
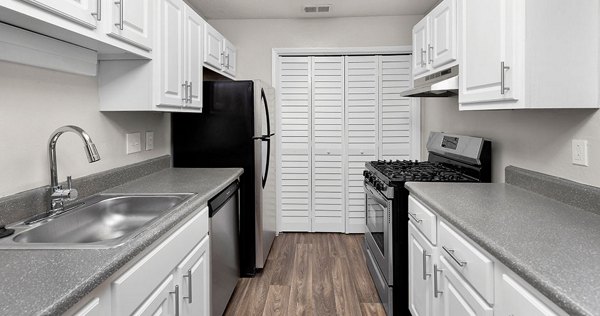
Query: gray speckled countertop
[(49, 282), (553, 246)]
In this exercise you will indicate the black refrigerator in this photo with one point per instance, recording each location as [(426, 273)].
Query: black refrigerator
[(236, 129)]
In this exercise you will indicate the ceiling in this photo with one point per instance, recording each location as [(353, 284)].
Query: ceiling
[(286, 9)]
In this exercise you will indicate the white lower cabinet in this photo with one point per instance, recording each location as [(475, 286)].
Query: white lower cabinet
[(171, 278), (457, 278)]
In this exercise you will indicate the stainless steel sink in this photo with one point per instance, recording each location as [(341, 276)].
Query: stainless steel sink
[(104, 221)]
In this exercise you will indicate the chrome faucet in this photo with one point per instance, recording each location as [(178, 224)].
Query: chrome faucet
[(59, 194)]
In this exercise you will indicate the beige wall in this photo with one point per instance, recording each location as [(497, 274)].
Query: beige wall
[(34, 102), (539, 140), (255, 39)]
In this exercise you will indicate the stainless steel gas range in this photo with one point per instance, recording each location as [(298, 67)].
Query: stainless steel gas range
[(452, 158)]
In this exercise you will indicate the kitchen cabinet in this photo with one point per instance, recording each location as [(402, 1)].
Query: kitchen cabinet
[(82, 12), (170, 278), (528, 54), (435, 44), (172, 81), (457, 277), (220, 54), (131, 21)]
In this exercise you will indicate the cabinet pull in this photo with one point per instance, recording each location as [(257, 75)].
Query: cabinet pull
[(423, 52), (98, 13), (414, 216), (222, 59), (436, 291), (120, 4), (189, 277), (191, 93), (176, 292), (430, 53), (453, 256), (228, 64), (425, 256), (503, 69), (185, 91)]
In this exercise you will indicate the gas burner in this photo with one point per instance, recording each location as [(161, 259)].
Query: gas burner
[(424, 171)]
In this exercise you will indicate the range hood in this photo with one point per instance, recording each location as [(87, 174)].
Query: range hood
[(440, 84)]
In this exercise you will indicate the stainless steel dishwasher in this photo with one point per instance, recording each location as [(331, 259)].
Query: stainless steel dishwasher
[(225, 261)]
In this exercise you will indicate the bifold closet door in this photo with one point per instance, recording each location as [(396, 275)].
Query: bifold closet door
[(296, 139), (362, 98), (395, 110), (328, 138)]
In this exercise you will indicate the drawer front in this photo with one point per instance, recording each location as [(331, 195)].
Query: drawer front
[(423, 219), (457, 297), (516, 300), (135, 285), (473, 265)]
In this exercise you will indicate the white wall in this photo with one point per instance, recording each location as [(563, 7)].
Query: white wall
[(255, 39), (538, 140), (34, 102)]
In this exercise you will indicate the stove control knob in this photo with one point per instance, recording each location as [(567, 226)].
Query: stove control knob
[(366, 173)]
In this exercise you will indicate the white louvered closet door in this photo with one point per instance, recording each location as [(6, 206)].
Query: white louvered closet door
[(295, 122), (362, 98), (395, 110), (328, 138)]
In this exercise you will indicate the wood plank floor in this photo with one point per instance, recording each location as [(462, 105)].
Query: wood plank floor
[(310, 274)]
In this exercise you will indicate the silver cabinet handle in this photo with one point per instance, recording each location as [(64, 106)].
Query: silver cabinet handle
[(430, 53), (423, 52), (228, 64), (185, 91), (176, 292), (453, 256), (414, 216), (503, 69), (436, 290), (98, 13), (222, 59), (189, 277), (425, 256), (191, 93), (120, 4)]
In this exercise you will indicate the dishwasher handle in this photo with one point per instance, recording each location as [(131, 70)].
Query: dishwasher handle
[(215, 204)]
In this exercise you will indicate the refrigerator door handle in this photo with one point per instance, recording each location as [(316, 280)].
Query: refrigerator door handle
[(266, 175), (264, 138)]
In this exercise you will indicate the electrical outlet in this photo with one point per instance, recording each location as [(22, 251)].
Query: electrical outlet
[(149, 140), (134, 143), (579, 149)]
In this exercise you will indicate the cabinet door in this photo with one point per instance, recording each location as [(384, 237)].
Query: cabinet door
[(457, 297), (328, 137), (193, 57), (513, 299), (230, 55), (420, 267), (172, 87), (420, 35), (361, 113), (161, 302), (443, 41), (83, 12), (132, 21), (194, 276), (487, 42), (295, 151), (213, 47)]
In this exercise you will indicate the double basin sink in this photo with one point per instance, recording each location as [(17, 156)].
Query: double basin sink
[(101, 221)]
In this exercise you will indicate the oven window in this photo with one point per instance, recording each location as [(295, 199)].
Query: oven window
[(375, 219)]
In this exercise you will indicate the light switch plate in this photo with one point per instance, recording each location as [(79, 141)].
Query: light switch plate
[(580, 152), (149, 140), (134, 143)]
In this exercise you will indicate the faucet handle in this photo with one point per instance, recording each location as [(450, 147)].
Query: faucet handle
[(71, 193), (69, 183)]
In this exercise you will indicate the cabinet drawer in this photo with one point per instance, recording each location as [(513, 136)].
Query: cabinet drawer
[(457, 296), (473, 265), (516, 300), (138, 282), (423, 219)]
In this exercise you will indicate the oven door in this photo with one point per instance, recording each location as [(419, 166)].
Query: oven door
[(378, 232)]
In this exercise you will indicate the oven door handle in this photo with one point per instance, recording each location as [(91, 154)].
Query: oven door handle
[(375, 195)]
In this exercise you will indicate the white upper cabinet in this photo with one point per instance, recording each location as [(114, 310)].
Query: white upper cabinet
[(528, 54), (83, 12), (193, 58), (435, 40), (171, 76), (219, 53), (131, 21)]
